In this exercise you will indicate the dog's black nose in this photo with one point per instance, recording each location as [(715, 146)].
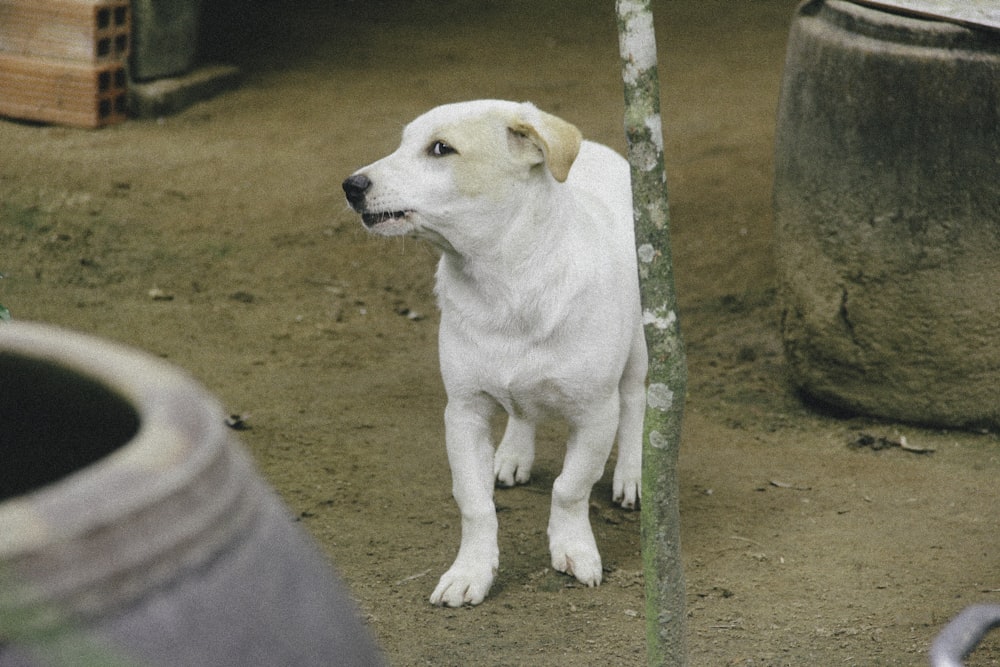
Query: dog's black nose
[(355, 188)]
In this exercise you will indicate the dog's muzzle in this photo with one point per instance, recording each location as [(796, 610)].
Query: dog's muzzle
[(356, 188)]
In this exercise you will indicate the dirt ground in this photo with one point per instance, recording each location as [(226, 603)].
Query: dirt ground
[(799, 549)]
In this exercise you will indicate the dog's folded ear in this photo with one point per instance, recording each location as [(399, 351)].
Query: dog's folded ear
[(548, 139)]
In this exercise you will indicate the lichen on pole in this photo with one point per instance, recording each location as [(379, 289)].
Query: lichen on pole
[(660, 520)]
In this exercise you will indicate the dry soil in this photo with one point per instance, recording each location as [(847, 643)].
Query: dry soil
[(219, 239)]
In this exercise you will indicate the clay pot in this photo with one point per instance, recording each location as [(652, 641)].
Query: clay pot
[(134, 529), (887, 214)]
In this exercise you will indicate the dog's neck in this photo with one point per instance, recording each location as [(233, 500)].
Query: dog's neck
[(536, 230), (509, 276)]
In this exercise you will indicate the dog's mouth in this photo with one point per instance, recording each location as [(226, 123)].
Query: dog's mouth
[(372, 219)]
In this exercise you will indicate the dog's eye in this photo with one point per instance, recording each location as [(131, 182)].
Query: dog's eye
[(440, 149)]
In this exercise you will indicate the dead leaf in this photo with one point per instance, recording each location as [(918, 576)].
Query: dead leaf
[(877, 443), (786, 485)]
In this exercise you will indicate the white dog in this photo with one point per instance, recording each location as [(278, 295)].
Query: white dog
[(540, 315)]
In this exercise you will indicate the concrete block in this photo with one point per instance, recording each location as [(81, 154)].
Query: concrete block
[(171, 95)]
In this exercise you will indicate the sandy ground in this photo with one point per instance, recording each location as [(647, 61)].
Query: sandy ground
[(799, 549)]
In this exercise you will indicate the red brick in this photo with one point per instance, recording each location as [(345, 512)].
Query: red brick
[(94, 31), (61, 91)]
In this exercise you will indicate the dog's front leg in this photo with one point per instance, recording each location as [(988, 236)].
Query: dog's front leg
[(571, 541), (470, 455)]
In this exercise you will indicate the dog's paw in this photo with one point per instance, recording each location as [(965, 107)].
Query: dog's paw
[(516, 453), (626, 486), (626, 493), (510, 471), (574, 551), (463, 585), (580, 561)]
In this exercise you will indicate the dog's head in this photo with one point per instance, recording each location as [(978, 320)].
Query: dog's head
[(476, 159)]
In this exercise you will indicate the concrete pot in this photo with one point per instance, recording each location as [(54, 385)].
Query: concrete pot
[(134, 530), (887, 214)]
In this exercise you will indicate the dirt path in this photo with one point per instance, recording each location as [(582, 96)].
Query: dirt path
[(799, 549)]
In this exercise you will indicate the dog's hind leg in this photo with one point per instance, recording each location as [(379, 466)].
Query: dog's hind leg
[(516, 453), (626, 489), (571, 540), (470, 455)]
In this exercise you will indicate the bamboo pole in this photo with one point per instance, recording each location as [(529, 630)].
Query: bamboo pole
[(660, 519)]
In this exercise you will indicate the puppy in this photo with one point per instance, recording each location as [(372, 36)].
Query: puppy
[(540, 315)]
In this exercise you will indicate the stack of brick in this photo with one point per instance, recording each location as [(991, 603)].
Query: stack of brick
[(64, 61)]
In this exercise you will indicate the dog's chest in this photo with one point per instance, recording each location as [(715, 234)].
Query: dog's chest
[(544, 340), (533, 384), (530, 371)]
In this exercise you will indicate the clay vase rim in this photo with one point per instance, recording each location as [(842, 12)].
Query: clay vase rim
[(181, 432)]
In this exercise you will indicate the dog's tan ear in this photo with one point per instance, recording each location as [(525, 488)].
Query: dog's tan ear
[(558, 140)]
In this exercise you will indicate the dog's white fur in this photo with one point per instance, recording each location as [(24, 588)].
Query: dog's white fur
[(540, 314)]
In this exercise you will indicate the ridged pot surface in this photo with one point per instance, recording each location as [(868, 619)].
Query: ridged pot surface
[(887, 214)]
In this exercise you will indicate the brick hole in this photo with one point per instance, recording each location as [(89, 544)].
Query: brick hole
[(120, 78), (103, 18), (103, 108), (121, 15), (103, 47), (120, 105), (121, 44), (103, 80)]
